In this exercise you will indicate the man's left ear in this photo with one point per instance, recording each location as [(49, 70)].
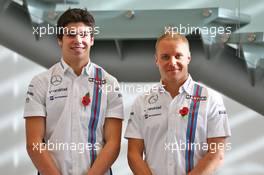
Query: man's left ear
[(189, 58), (92, 40)]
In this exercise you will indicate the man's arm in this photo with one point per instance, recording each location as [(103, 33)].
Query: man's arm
[(213, 159), (135, 157), (35, 129), (110, 151)]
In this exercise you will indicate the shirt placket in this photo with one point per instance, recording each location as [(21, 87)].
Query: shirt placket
[(173, 156), (178, 104), (170, 132)]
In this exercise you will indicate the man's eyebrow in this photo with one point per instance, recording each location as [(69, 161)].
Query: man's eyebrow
[(85, 31)]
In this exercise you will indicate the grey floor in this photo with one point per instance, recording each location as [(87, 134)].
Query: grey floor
[(245, 157)]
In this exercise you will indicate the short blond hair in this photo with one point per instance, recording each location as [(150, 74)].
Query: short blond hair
[(174, 36)]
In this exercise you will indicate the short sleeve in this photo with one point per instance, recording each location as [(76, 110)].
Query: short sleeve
[(114, 101), (218, 124), (35, 98), (134, 125)]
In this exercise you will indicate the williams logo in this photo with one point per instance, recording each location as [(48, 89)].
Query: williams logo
[(97, 81), (198, 98)]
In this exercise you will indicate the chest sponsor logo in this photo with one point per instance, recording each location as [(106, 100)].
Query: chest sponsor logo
[(56, 97), (151, 112), (93, 80), (197, 98), (154, 108), (153, 99), (56, 80), (147, 116), (58, 90)]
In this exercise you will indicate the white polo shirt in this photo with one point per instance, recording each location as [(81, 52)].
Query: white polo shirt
[(156, 119), (74, 132)]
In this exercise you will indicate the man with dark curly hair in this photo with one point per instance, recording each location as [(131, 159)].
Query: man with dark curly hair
[(73, 120)]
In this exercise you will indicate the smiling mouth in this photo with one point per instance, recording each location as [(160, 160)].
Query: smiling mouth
[(173, 70), (77, 47)]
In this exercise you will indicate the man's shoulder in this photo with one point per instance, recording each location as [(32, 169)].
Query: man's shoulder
[(44, 77), (208, 91), (195, 85)]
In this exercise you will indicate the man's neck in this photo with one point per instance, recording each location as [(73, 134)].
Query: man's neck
[(77, 66), (173, 86)]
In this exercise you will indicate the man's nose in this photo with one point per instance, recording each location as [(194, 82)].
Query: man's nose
[(173, 60), (78, 38)]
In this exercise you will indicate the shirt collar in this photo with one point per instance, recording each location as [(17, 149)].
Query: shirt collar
[(65, 67), (86, 70), (186, 86)]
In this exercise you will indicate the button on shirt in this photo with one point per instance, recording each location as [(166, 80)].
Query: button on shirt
[(74, 132), (157, 118)]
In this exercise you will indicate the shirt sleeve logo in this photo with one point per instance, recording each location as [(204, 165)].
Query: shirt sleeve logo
[(27, 100), (222, 112)]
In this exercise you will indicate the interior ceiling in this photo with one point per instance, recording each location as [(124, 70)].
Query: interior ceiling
[(128, 53)]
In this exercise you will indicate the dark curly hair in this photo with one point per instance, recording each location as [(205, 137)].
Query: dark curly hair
[(74, 15)]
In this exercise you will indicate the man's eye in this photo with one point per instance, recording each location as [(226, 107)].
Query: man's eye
[(71, 35), (179, 57), (165, 57), (83, 35)]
